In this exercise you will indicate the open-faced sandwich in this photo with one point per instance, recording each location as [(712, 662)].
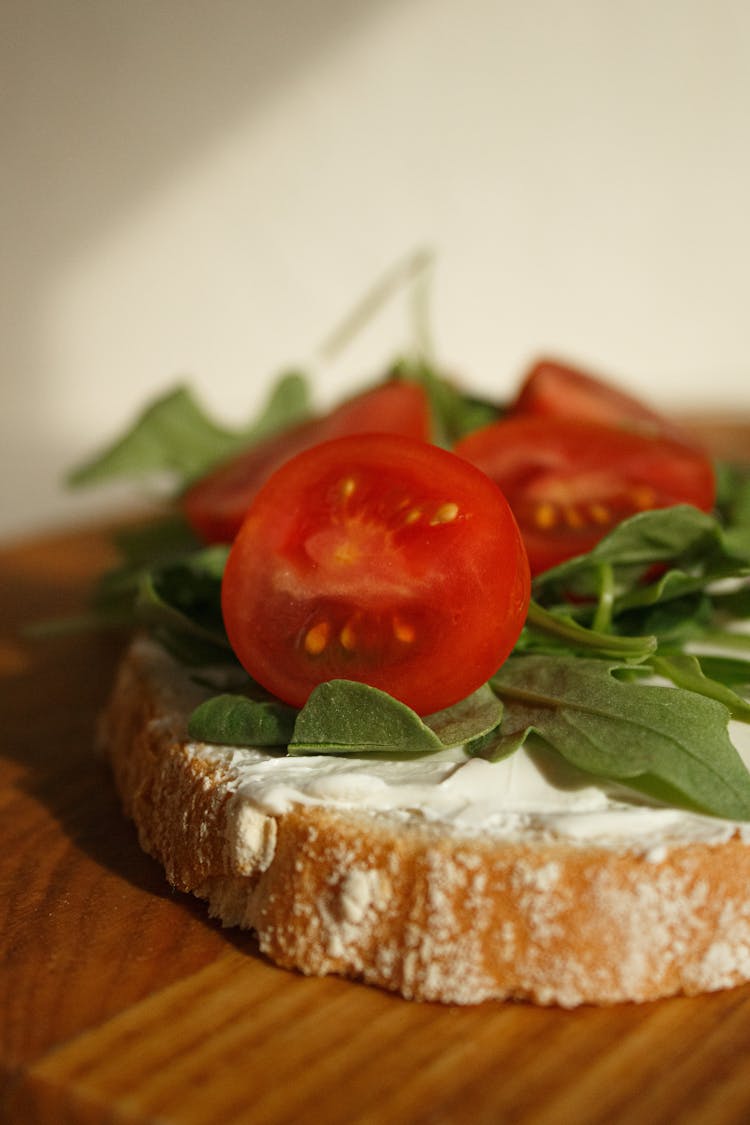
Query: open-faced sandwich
[(445, 694)]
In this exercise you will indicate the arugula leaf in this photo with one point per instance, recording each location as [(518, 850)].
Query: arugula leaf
[(171, 435), (455, 412), (469, 722), (622, 585), (670, 586), (175, 436), (729, 670), (644, 736), (346, 717), (237, 720), (376, 723), (733, 494), (287, 404), (733, 603), (686, 671), (180, 604), (116, 601), (680, 605), (673, 621), (155, 541), (733, 505), (411, 272), (574, 636), (681, 534)]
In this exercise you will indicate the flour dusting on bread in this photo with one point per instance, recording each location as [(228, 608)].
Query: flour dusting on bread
[(338, 877)]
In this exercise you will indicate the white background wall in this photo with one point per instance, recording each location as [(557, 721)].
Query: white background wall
[(202, 189)]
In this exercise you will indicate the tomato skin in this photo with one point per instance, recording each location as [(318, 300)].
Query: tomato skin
[(556, 390), (216, 504), (571, 482), (379, 559)]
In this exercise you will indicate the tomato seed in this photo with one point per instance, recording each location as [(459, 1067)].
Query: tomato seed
[(403, 631), (446, 513), (600, 513), (545, 516), (347, 638), (316, 638), (643, 497)]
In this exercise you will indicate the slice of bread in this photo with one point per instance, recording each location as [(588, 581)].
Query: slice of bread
[(420, 903)]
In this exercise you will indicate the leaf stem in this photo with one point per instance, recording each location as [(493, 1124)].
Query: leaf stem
[(404, 272), (603, 616), (685, 672), (635, 649)]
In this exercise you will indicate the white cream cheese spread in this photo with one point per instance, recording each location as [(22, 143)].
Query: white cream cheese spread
[(533, 793)]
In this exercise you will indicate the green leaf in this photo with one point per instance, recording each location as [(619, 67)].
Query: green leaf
[(733, 499), (670, 586), (287, 405), (454, 411), (730, 670), (180, 603), (172, 434), (346, 717), (672, 621), (155, 541), (681, 533), (469, 722), (236, 720), (410, 272), (641, 735), (686, 671), (114, 601), (683, 599), (667, 571), (733, 603), (175, 436), (576, 637)]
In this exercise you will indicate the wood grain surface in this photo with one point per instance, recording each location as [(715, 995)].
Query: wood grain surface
[(121, 1001)]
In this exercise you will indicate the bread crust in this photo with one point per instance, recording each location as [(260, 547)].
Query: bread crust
[(414, 907)]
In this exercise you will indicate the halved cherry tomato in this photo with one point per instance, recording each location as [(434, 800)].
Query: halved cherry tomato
[(215, 505), (570, 482), (553, 389), (378, 559)]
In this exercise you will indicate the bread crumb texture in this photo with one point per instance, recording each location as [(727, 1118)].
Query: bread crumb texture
[(417, 908)]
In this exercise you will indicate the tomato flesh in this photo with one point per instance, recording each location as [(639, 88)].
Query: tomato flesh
[(571, 482), (555, 390), (216, 504), (379, 559)]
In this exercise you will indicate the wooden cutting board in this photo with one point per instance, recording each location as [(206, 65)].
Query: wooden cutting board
[(120, 1000)]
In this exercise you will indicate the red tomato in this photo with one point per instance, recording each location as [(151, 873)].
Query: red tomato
[(378, 559), (216, 504), (554, 390), (569, 482)]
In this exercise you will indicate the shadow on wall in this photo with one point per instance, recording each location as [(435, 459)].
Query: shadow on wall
[(107, 99), (102, 103)]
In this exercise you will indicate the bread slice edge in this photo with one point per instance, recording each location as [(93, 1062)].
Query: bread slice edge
[(415, 907)]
